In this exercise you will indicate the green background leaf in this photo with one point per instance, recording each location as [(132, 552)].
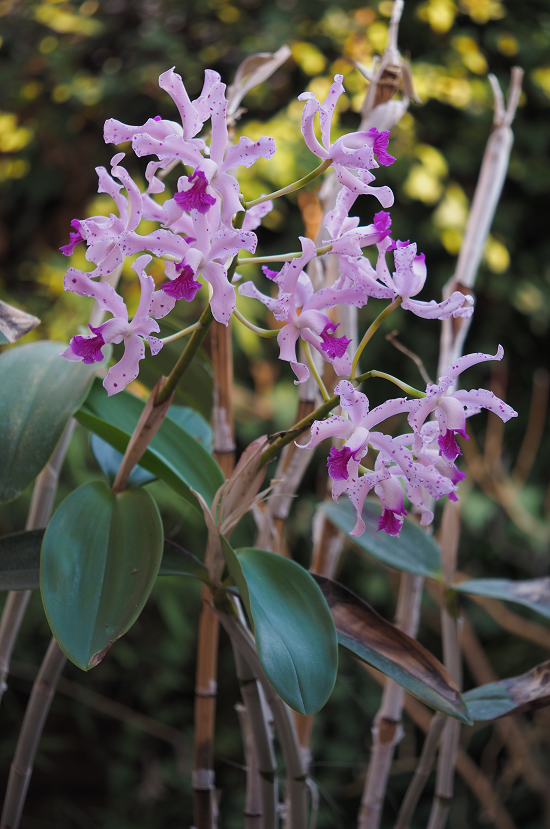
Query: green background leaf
[(532, 593), (100, 557), (295, 635), (526, 692), (39, 391), (174, 455), (413, 551)]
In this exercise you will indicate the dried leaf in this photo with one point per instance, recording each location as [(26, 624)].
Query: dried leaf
[(515, 695), (532, 593), (239, 492), (15, 323), (379, 643), (253, 71)]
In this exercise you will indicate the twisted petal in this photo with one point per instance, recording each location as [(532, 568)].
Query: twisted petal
[(160, 242), (250, 290), (172, 147), (469, 360), (457, 305), (357, 186), (223, 292), (353, 402), (326, 110), (286, 339), (228, 188), (333, 427), (486, 400), (246, 152), (107, 298), (255, 214), (115, 132), (127, 369), (172, 83), (308, 117)]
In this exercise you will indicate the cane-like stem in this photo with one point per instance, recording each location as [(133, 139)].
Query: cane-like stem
[(422, 772), (291, 188), (35, 717)]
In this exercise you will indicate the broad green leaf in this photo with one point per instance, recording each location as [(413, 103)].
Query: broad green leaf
[(413, 551), (100, 557), (195, 389), (39, 391), (20, 560), (194, 423), (519, 693), (176, 561), (109, 461), (295, 636), (380, 644), (174, 455), (532, 593)]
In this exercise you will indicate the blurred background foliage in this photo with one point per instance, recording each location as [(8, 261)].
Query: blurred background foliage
[(65, 68)]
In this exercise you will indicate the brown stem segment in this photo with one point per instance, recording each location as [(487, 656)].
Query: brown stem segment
[(35, 717)]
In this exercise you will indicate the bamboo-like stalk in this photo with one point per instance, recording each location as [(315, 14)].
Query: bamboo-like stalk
[(39, 514), (252, 808), (204, 799), (284, 724), (422, 772), (265, 773), (386, 729), (35, 716)]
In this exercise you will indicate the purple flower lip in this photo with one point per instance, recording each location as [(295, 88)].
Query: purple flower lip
[(335, 347), (184, 286), (391, 522), (75, 238), (337, 462), (89, 348), (269, 273), (196, 198), (380, 146), (448, 447)]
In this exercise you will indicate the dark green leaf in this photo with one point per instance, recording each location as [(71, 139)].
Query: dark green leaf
[(39, 391), (519, 693), (174, 455), (195, 388), (413, 551), (533, 593), (380, 644), (109, 460), (100, 557), (295, 636), (20, 560), (194, 423), (176, 561)]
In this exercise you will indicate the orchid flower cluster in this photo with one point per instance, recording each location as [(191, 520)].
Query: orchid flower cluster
[(201, 230)]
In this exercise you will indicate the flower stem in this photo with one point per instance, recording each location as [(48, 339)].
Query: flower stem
[(395, 380), (371, 331), (313, 369), (282, 257), (195, 342), (291, 188), (195, 327), (261, 332)]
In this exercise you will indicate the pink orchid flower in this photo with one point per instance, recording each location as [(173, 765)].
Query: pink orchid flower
[(116, 330), (451, 409), (409, 279), (301, 309), (352, 152), (102, 233)]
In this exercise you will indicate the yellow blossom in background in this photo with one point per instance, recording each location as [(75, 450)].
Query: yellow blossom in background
[(481, 11), (13, 137), (470, 54), (541, 77), (308, 58), (496, 255), (424, 180), (507, 44), (440, 14), (63, 19)]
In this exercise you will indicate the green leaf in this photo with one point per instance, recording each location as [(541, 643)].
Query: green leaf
[(519, 693), (194, 423), (20, 560), (532, 593), (295, 635), (109, 461), (196, 387), (379, 643), (174, 455), (39, 391), (176, 561), (413, 551), (100, 557)]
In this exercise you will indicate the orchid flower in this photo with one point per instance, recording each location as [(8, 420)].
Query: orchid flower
[(301, 309), (208, 254), (116, 330), (102, 233), (409, 279), (449, 408), (354, 151)]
